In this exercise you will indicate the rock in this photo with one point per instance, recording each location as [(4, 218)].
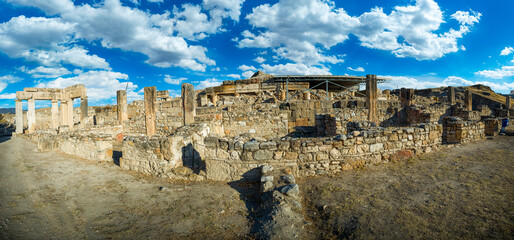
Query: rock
[(269, 145), (251, 146), (164, 189), (266, 169), (288, 179), (266, 178), (262, 155), (291, 190), (182, 170), (266, 186)]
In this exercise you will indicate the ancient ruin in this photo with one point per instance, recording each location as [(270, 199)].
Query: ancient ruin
[(266, 130), (309, 124)]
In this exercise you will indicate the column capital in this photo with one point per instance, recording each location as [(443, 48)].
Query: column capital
[(18, 100), (55, 101)]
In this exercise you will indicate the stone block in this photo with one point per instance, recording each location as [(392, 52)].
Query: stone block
[(261, 155)]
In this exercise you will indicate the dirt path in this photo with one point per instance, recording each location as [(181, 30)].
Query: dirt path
[(465, 192), (55, 196)]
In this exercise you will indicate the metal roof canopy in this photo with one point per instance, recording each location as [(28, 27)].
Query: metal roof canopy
[(319, 80), (334, 78)]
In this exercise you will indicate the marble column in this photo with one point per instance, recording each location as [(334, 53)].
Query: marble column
[(468, 101), (69, 115), (55, 114), (19, 116), (83, 110), (31, 115)]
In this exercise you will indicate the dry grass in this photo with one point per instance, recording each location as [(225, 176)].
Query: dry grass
[(464, 192)]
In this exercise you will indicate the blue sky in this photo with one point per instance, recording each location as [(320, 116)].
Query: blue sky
[(116, 44)]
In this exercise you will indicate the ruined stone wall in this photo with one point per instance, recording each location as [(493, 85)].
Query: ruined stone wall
[(457, 131), (92, 146)]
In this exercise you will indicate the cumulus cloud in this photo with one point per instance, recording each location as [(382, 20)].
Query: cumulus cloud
[(359, 69), (259, 59), (6, 80), (210, 82), (247, 74), (101, 85), (456, 81), (175, 81), (247, 68), (295, 69), (499, 73), (303, 30), (44, 72), (235, 76), (8, 96), (161, 37), (506, 51)]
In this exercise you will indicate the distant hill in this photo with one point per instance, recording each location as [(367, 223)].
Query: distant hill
[(7, 110)]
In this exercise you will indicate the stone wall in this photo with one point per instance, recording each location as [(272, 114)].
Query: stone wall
[(457, 131), (96, 147)]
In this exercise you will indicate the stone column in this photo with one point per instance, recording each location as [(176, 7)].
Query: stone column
[(69, 115), (203, 100), (19, 116), (468, 102), (150, 109), (188, 103), (406, 96), (121, 96), (31, 115), (63, 113), (55, 114), (83, 110), (307, 95), (214, 99), (282, 95), (371, 97), (451, 95)]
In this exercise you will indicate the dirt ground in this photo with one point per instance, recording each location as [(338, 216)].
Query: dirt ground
[(465, 192), (55, 196)]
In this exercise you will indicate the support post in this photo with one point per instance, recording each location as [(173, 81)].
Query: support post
[(468, 101), (150, 109), (214, 98), (121, 96), (371, 97), (31, 115), (19, 116), (63, 113), (406, 96), (69, 115), (188, 103), (451, 95), (83, 111), (55, 114)]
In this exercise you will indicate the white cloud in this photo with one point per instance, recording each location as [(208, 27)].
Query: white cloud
[(8, 96), (406, 82), (409, 30), (499, 73), (176, 81), (156, 1), (210, 82), (359, 69), (303, 30), (41, 40), (247, 68), (506, 51), (235, 76), (44, 72), (161, 38), (294, 69), (259, 59), (247, 74), (5, 80), (456, 81), (100, 85)]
